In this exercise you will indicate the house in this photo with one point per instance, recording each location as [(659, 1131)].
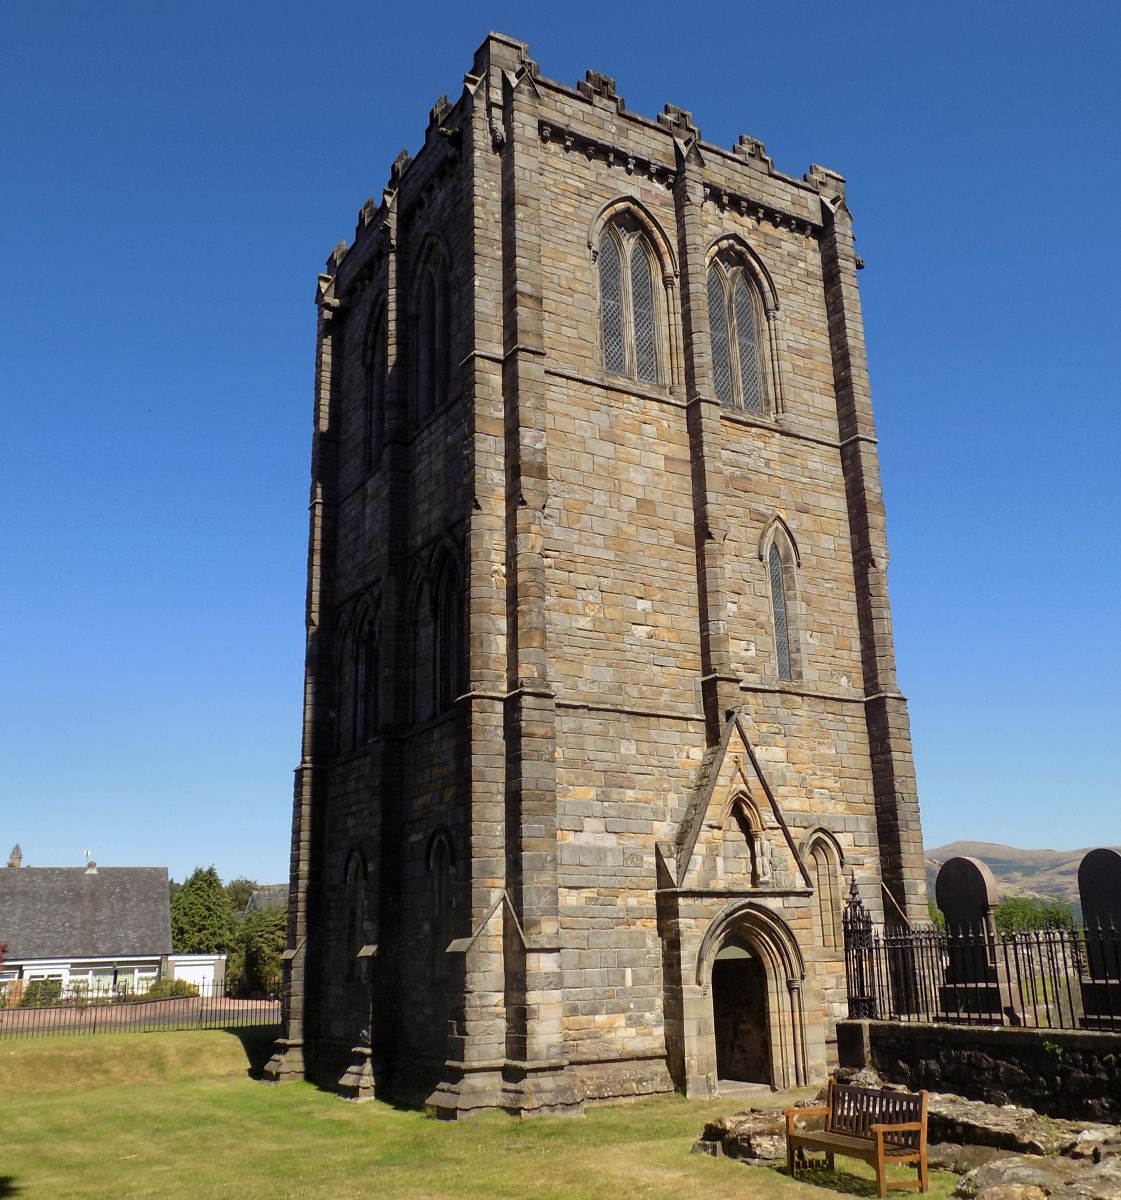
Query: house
[(270, 895), (104, 929)]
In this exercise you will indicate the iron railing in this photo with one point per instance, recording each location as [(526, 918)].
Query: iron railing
[(31, 1011), (1041, 979)]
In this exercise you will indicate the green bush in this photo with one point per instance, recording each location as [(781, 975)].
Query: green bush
[(1021, 914), (264, 934), (41, 993), (166, 989)]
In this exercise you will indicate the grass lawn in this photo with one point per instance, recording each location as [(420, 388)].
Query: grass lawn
[(176, 1115)]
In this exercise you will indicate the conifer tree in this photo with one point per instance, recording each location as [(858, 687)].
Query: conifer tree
[(202, 917)]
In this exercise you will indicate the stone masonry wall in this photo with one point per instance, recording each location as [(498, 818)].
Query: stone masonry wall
[(1059, 1072)]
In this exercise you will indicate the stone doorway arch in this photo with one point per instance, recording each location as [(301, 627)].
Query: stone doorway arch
[(769, 981)]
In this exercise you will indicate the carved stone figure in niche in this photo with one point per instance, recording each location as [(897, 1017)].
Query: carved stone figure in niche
[(761, 858)]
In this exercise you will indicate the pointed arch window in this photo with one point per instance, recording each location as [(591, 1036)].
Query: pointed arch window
[(344, 693), (826, 871), (779, 609), (367, 673), (735, 323), (629, 311), (441, 865), (778, 554), (355, 910), (432, 332), (450, 639), (374, 360)]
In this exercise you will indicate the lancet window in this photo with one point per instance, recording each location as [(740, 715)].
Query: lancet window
[(432, 334)]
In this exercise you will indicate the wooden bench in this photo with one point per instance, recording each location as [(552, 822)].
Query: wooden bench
[(874, 1126)]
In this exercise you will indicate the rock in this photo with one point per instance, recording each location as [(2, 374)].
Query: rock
[(1019, 1176), (943, 1156), (756, 1136), (1015, 1191), (1007, 1127), (946, 1156)]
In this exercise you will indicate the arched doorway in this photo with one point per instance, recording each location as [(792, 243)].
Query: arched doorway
[(739, 1014), (749, 979)]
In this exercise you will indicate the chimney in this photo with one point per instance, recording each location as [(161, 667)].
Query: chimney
[(15, 858)]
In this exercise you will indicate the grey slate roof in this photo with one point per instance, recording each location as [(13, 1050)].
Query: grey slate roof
[(70, 913), (271, 895)]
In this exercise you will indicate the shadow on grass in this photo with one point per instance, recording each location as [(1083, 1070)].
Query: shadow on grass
[(833, 1181), (258, 1042), (8, 1186)]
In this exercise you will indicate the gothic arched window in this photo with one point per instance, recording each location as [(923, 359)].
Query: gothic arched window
[(367, 671), (779, 556), (826, 871), (628, 307), (432, 333), (736, 327), (344, 693), (779, 610), (450, 641), (355, 909), (441, 864), (374, 362)]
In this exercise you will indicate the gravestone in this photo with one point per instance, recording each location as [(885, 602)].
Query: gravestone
[(975, 985), (1099, 889)]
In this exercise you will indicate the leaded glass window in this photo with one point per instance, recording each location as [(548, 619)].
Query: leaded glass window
[(611, 307), (642, 302), (718, 326), (778, 604), (747, 345), (629, 311)]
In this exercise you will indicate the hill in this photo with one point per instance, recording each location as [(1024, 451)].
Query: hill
[(1049, 873)]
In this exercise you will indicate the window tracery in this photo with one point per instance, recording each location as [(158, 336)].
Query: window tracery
[(630, 315), (738, 334)]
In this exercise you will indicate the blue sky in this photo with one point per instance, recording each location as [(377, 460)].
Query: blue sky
[(174, 177)]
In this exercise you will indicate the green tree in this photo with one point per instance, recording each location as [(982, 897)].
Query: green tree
[(265, 935), (202, 918), (1023, 914), (239, 890)]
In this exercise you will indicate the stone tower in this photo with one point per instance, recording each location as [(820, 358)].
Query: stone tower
[(601, 703)]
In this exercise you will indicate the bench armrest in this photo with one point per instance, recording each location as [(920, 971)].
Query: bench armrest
[(792, 1115), (902, 1127)]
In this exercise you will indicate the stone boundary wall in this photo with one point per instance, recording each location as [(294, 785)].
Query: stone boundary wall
[(1062, 1073)]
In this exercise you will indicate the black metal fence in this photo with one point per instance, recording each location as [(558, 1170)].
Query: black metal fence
[(1041, 979), (44, 1007)]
